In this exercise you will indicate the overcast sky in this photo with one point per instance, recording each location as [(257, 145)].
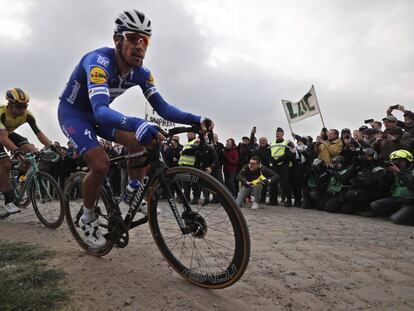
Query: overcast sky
[(231, 60)]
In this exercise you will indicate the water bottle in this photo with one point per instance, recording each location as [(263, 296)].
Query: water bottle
[(131, 188)]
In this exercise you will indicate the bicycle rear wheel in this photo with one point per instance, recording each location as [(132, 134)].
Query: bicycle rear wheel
[(74, 210), (47, 199), (216, 250)]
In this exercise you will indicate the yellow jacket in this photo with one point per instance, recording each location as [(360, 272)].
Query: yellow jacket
[(329, 150)]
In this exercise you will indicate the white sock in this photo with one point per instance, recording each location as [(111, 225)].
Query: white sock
[(88, 214)]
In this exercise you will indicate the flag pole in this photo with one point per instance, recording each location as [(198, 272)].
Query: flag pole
[(320, 110), (287, 117)]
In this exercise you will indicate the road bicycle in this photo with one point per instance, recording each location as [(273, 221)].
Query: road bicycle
[(39, 188), (206, 245)]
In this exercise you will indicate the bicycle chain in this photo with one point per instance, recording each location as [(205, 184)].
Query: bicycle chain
[(118, 232)]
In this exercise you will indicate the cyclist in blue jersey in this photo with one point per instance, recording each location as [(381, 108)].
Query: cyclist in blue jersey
[(84, 110)]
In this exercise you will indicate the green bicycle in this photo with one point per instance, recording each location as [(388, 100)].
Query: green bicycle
[(40, 188)]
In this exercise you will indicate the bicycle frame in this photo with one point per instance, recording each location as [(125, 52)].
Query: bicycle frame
[(33, 169), (157, 168)]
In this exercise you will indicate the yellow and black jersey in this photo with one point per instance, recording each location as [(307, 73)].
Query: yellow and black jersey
[(10, 123)]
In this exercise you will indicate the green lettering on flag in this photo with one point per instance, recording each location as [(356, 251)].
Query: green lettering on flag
[(305, 100), (301, 108), (292, 114)]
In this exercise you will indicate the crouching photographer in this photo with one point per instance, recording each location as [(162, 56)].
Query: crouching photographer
[(316, 181), (367, 185), (339, 185), (400, 206), (252, 176)]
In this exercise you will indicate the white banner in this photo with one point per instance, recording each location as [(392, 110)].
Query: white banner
[(152, 116), (308, 106)]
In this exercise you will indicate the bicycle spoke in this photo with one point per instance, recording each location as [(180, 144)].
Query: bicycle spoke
[(210, 253)]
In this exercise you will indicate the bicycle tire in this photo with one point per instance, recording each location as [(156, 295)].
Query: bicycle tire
[(166, 237), (73, 210), (49, 215)]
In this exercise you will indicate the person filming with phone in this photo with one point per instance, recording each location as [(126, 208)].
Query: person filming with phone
[(328, 145), (389, 140), (407, 139)]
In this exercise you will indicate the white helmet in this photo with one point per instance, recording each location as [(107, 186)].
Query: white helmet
[(133, 20)]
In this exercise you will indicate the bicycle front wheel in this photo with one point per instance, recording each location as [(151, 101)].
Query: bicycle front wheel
[(47, 199), (214, 250)]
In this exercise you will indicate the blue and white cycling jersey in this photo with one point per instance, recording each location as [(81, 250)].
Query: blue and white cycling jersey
[(93, 85)]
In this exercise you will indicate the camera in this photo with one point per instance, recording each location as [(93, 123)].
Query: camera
[(394, 106), (369, 121), (324, 129)]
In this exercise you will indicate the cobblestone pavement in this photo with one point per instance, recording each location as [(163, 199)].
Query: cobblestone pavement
[(300, 260)]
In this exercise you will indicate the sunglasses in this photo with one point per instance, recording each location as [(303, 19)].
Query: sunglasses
[(20, 106), (135, 38)]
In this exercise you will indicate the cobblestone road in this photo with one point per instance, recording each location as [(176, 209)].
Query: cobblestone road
[(301, 260)]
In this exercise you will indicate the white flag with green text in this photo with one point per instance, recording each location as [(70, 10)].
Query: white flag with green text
[(308, 106)]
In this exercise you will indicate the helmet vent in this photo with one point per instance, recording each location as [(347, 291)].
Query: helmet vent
[(130, 17)]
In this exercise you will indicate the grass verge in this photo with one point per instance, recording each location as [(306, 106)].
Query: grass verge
[(26, 283)]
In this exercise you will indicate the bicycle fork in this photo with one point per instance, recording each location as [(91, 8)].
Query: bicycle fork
[(166, 186)]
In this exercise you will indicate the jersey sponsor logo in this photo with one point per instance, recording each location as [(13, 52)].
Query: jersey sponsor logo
[(151, 80), (129, 83), (71, 130), (104, 61), (75, 89), (115, 92), (97, 91), (150, 92), (88, 133), (98, 75)]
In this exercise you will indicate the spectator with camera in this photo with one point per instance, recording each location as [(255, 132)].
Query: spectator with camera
[(370, 136), (389, 140), (253, 176), (358, 136), (351, 147), (407, 139), (339, 184), (328, 145), (264, 153), (245, 153), (316, 181), (172, 153), (400, 206), (367, 185)]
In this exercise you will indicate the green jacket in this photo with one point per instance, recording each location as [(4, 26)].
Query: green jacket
[(404, 184)]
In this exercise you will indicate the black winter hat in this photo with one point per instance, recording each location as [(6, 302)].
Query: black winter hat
[(279, 129)]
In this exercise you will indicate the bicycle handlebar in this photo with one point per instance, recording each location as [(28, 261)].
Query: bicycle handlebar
[(169, 135), (194, 128), (46, 154)]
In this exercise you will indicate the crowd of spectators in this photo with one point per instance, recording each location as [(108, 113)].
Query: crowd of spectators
[(70, 161), (367, 171), (339, 171)]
